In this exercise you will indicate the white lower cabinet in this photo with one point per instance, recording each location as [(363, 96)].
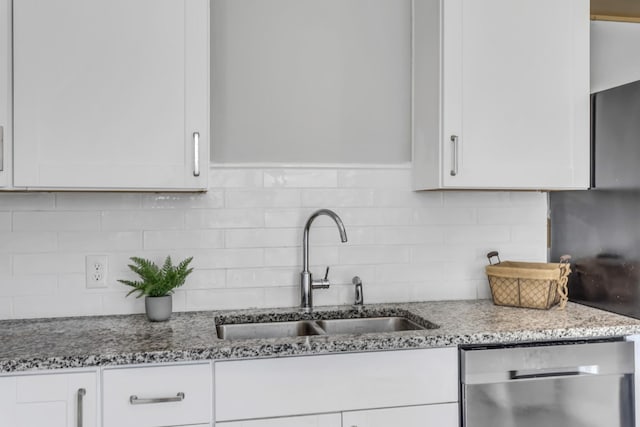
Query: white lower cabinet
[(420, 388), (51, 400), (157, 396), (326, 420), (412, 416)]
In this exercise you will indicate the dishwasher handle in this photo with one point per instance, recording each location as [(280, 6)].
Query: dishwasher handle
[(553, 372)]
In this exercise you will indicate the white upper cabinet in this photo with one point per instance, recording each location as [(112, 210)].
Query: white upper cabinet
[(501, 94), (111, 94), (5, 93)]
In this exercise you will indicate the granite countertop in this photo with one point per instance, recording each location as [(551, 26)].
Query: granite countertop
[(121, 340)]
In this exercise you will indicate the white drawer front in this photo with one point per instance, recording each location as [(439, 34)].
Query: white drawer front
[(187, 387), (330, 383)]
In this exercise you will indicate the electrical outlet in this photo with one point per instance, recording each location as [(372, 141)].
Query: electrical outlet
[(96, 271)]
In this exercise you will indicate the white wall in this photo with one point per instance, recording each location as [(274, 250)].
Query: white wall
[(245, 235)]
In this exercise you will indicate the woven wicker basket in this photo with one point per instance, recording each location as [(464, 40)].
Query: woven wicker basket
[(529, 284)]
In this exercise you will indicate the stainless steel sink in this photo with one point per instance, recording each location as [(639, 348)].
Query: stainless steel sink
[(268, 330), (316, 327), (368, 325)]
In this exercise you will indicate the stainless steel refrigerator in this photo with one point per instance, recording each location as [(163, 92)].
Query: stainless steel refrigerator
[(600, 227)]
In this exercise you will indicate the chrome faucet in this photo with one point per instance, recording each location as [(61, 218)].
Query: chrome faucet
[(307, 284)]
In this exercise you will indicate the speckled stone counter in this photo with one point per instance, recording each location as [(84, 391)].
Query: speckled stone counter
[(121, 340)]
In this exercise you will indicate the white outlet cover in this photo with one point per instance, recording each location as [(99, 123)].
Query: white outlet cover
[(96, 271)]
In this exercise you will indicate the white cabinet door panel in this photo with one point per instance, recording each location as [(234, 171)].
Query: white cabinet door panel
[(501, 94), (263, 388), (108, 93), (443, 415), (53, 400), (329, 420), (5, 93)]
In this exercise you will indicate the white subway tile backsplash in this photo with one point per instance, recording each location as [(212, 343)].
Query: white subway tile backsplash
[(266, 198), (6, 308), (183, 239), (28, 285), (262, 238), (28, 241), (97, 201), (219, 299), (5, 221), (301, 178), (476, 234), (444, 216), (406, 198), (374, 254), (111, 241), (224, 218), (140, 220), (376, 216), (48, 263), (235, 178), (377, 178), (408, 235), (246, 240), (206, 279), (530, 215), (336, 198), (262, 277), (27, 201), (211, 199), (119, 303), (474, 199), (57, 305), (56, 221)]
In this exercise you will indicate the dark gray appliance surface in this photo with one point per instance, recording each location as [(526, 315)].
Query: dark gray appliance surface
[(600, 228), (601, 231), (569, 385), (616, 138)]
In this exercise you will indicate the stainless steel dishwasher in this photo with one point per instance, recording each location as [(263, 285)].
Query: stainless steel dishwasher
[(568, 384)]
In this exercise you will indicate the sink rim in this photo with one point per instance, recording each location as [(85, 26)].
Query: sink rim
[(314, 319)]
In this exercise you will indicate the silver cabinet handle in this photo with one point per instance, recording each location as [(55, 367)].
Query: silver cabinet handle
[(454, 155), (135, 400), (196, 154), (79, 406)]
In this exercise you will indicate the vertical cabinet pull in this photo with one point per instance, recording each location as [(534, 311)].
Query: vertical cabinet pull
[(454, 155), (196, 154), (79, 406)]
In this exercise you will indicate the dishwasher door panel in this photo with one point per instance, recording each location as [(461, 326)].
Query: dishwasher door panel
[(572, 401)]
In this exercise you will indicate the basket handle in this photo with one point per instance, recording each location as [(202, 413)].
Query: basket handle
[(493, 254), (563, 290)]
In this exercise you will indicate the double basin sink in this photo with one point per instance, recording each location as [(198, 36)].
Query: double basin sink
[(312, 327)]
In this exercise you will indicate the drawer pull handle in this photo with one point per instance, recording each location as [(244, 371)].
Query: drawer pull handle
[(196, 154), (79, 406), (135, 400)]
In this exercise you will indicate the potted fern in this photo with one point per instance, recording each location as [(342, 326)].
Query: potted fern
[(157, 284)]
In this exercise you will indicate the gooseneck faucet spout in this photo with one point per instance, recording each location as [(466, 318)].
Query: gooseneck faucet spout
[(307, 284)]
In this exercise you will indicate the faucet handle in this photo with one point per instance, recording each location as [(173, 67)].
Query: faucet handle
[(359, 294), (322, 283)]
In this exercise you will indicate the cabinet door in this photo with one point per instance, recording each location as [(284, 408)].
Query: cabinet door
[(5, 93), (52, 400), (111, 94), (516, 93), (444, 415), (328, 420)]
